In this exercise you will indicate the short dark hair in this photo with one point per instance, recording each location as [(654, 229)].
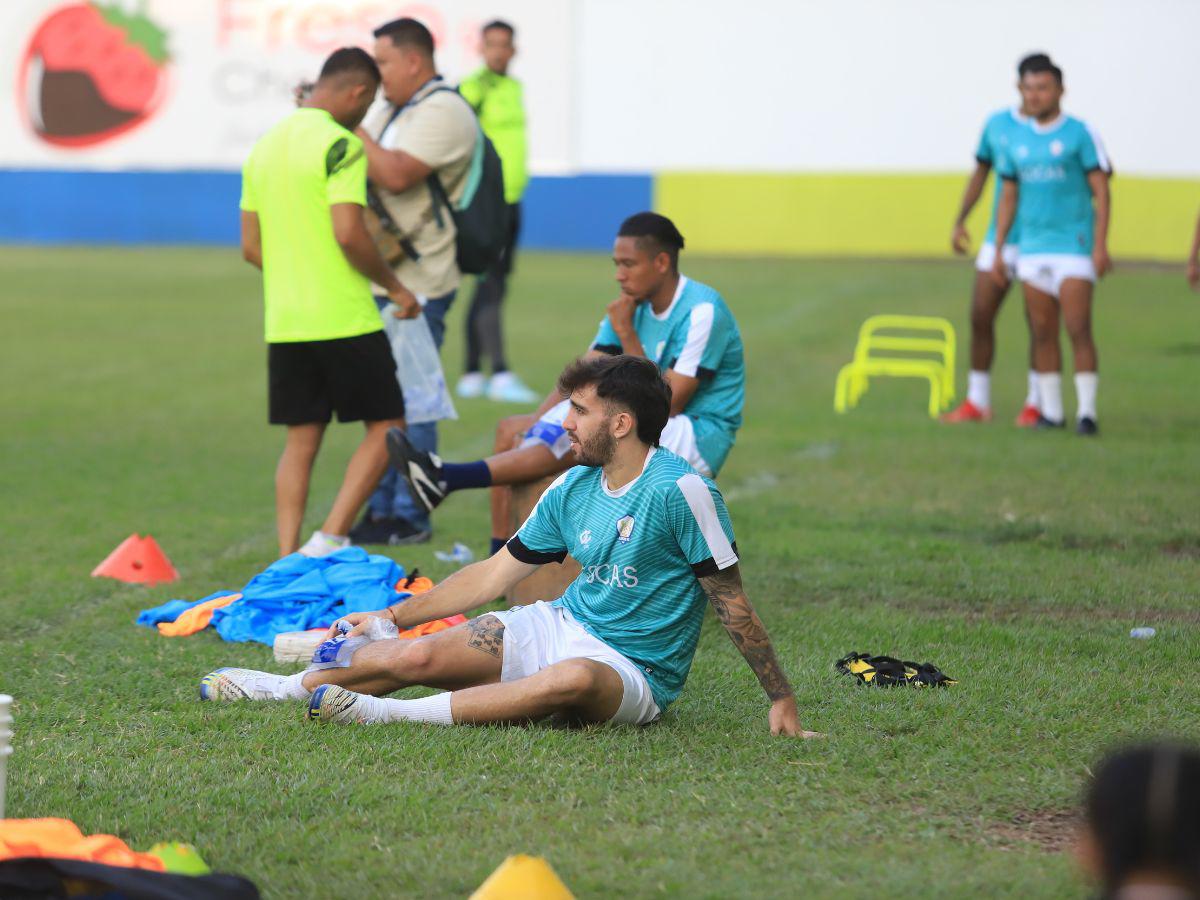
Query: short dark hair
[(1043, 65), (350, 61), (1143, 809), (501, 24), (632, 382), (655, 234), (408, 33), (1033, 59)]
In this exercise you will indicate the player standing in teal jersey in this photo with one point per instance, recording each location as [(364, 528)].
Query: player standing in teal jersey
[(987, 296), (1056, 176), (655, 543)]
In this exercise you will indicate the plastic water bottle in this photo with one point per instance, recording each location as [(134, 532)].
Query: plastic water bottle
[(5, 742), (1142, 633), (460, 554)]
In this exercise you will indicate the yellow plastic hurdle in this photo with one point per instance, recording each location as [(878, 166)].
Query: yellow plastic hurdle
[(937, 368)]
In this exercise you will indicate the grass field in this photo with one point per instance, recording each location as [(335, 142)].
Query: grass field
[(134, 399)]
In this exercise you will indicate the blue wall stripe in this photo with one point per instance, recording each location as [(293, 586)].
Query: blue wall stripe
[(46, 206)]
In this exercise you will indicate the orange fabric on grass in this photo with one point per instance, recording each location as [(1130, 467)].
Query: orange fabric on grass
[(62, 839), (431, 627), (418, 585), (195, 619)]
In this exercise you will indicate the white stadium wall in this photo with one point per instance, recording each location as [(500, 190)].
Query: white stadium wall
[(764, 127)]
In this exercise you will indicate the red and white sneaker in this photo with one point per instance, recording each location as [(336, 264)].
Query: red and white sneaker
[(968, 412), (1027, 417)]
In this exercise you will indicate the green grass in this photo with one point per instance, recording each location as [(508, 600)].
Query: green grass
[(135, 400)]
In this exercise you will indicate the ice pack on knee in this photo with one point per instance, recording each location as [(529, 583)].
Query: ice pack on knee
[(337, 652)]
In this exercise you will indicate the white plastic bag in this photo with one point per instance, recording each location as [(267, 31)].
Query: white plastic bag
[(335, 653), (426, 397)]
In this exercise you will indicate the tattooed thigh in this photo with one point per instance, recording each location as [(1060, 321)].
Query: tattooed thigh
[(487, 634)]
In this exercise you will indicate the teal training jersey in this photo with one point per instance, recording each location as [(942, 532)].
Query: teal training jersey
[(696, 336), (1050, 164), (642, 549), (998, 131)]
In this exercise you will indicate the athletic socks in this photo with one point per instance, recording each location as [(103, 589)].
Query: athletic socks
[(979, 389), (435, 710), (497, 543), (1050, 395), (1085, 394), (1031, 394), (457, 476), (291, 687)]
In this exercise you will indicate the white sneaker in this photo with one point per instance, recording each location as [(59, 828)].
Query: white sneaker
[(322, 544), (241, 684), (507, 387), (335, 705), (471, 385)]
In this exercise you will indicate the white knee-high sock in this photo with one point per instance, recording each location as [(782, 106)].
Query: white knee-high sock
[(1085, 394), (1050, 395), (434, 710), (1031, 393), (979, 389)]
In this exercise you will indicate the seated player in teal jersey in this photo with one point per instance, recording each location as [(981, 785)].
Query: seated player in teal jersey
[(682, 325), (655, 542), (986, 295), (1055, 174)]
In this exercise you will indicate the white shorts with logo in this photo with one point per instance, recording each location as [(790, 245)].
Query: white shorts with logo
[(1047, 271), (986, 258), (679, 436), (540, 635)]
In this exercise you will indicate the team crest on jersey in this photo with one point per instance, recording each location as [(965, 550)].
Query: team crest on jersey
[(1056, 148), (624, 529), (585, 537)]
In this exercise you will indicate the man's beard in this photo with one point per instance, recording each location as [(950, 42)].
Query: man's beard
[(598, 450)]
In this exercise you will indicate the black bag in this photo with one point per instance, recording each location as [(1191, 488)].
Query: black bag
[(35, 877), (482, 217)]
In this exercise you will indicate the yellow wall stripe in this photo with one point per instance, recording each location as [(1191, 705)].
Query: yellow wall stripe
[(889, 214)]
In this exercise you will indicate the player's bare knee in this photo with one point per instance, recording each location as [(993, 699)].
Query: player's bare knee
[(575, 681), (414, 662), (508, 430)]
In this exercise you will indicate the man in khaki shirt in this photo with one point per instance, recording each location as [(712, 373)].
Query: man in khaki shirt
[(421, 127)]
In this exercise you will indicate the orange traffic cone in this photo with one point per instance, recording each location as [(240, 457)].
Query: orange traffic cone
[(138, 560)]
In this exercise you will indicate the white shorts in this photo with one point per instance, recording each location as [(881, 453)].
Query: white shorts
[(1047, 271), (540, 635), (987, 258), (679, 436)]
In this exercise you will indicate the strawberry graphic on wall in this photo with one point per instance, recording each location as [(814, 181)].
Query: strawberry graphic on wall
[(92, 71)]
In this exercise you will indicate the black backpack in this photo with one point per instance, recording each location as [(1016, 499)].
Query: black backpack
[(482, 217)]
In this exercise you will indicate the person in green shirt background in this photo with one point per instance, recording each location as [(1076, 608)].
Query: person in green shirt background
[(498, 101), (304, 187)]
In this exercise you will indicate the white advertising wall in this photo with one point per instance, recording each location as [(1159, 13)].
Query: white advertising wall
[(230, 73)]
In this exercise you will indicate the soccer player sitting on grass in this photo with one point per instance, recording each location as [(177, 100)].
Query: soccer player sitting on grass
[(654, 539), (682, 325)]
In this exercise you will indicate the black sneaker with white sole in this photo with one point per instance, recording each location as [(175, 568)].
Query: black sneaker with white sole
[(422, 470), (1087, 427), (1044, 424)]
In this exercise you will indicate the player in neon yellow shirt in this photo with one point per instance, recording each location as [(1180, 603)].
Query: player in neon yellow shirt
[(303, 193), (498, 100)]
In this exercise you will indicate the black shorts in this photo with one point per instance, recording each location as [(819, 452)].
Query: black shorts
[(354, 377)]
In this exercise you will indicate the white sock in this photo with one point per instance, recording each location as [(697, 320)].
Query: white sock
[(1031, 395), (434, 710), (979, 389), (291, 687), (1050, 395), (1085, 394)]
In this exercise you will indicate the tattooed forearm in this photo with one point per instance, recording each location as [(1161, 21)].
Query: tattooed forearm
[(487, 634), (729, 602)]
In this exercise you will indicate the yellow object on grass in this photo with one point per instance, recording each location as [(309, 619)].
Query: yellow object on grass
[(877, 353), (522, 877), (180, 859)]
